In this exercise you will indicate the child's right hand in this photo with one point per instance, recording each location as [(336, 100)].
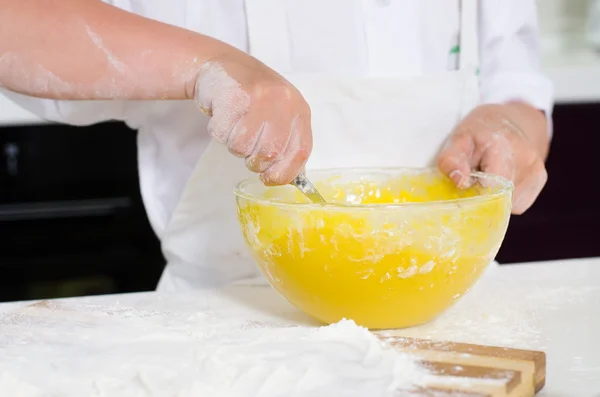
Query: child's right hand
[(258, 114)]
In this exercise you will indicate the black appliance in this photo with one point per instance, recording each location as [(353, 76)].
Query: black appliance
[(71, 217)]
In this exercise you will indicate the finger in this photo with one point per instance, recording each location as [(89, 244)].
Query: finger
[(294, 158), (220, 126), (245, 136), (456, 158), (271, 145), (226, 113), (527, 190), (497, 157)]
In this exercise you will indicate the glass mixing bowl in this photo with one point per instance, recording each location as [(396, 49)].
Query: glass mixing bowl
[(392, 248)]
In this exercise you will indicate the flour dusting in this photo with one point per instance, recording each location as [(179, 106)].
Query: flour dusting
[(112, 59), (54, 349)]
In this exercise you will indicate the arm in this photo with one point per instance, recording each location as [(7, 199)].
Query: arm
[(104, 52), (86, 49)]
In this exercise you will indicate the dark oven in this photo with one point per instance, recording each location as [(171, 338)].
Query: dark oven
[(71, 217)]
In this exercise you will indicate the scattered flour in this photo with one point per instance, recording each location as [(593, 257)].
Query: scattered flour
[(510, 320), (558, 297), (112, 59), (121, 351)]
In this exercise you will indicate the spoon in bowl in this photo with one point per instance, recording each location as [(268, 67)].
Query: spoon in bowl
[(307, 188)]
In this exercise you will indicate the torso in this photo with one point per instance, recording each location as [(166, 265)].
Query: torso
[(371, 38)]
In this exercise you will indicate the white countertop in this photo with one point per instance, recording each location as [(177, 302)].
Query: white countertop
[(551, 306)]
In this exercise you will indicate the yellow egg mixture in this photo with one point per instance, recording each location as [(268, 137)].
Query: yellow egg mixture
[(383, 267)]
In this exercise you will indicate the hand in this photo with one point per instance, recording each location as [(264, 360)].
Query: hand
[(257, 113), (489, 140)]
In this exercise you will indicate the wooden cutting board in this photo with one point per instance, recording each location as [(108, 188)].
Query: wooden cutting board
[(456, 369), (465, 370)]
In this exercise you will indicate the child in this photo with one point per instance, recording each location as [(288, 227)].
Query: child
[(389, 83)]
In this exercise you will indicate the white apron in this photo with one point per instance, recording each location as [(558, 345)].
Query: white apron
[(356, 122)]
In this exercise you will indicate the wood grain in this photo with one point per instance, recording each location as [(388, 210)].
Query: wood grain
[(487, 370)]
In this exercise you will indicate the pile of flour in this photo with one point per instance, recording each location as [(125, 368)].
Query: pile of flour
[(339, 360), (145, 354)]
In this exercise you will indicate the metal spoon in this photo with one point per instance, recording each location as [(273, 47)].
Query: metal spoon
[(304, 185)]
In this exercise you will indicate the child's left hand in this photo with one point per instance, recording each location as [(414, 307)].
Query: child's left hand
[(490, 140)]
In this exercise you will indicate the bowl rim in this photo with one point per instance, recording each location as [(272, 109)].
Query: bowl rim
[(507, 187)]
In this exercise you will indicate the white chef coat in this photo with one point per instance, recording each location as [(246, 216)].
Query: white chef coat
[(390, 38)]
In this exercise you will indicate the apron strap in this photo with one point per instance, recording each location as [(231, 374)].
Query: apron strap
[(469, 43)]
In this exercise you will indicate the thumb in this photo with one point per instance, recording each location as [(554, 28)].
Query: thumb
[(456, 158)]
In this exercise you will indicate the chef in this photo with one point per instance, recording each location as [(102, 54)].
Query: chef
[(335, 83)]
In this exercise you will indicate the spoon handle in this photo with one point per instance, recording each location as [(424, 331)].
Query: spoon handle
[(304, 185)]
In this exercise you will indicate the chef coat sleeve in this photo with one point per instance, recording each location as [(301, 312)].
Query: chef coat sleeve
[(509, 50), (79, 113)]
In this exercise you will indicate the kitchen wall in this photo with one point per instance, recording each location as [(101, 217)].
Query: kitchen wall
[(72, 221), (564, 24), (570, 32)]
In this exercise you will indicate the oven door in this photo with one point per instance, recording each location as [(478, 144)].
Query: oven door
[(71, 217)]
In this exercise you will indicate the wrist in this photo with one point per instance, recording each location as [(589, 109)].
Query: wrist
[(533, 123), (212, 50)]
